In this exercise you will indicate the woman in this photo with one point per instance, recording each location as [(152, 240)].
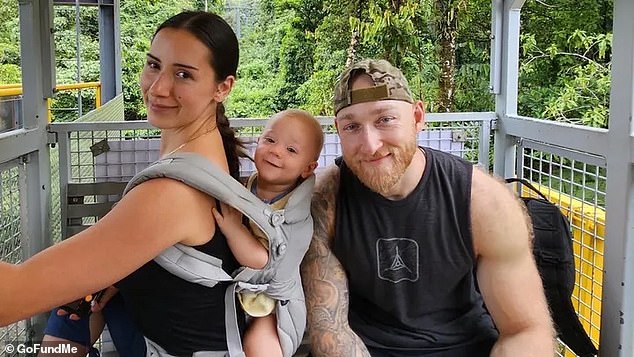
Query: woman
[(190, 70)]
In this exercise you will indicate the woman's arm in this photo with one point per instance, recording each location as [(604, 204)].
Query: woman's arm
[(150, 218)]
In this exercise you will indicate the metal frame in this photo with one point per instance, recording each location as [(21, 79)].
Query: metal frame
[(616, 145), (109, 44), (109, 50), (506, 99), (37, 78), (617, 317), (577, 137), (75, 137)]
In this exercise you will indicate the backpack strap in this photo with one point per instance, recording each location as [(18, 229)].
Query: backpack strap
[(554, 257), (527, 184)]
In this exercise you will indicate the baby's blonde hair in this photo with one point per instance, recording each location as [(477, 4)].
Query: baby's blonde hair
[(308, 119)]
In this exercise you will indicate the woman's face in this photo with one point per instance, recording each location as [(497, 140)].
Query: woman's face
[(179, 85)]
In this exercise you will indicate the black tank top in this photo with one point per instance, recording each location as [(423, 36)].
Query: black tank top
[(180, 316), (410, 264)]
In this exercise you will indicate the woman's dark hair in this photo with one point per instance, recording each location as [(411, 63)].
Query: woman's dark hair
[(217, 35)]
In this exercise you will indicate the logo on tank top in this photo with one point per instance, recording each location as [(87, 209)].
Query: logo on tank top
[(397, 259)]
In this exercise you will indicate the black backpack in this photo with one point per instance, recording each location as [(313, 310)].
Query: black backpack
[(552, 248)]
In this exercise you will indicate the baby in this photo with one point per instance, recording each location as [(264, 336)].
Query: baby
[(286, 153)]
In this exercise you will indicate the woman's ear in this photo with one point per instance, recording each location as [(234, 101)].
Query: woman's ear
[(224, 88)]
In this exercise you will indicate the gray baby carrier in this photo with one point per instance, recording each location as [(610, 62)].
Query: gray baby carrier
[(289, 232)]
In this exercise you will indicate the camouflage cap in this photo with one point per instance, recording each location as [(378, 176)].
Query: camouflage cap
[(389, 83)]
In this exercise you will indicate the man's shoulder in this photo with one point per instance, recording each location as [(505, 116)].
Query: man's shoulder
[(490, 197), (327, 179)]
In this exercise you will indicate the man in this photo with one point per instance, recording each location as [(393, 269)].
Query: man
[(399, 233)]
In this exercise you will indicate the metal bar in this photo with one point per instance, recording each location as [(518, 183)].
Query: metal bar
[(74, 229), (98, 97), (506, 100), (78, 55), (63, 145), (38, 74), (565, 152), (78, 85), (617, 316), (497, 8), (109, 51), (89, 209), (484, 144), (10, 92), (19, 142), (95, 126), (47, 48), (519, 153), (7, 165), (576, 137), (49, 112), (12, 85), (81, 2), (248, 122), (515, 4), (95, 188)]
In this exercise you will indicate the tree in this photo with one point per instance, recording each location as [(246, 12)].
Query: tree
[(9, 43), (447, 28), (565, 61)]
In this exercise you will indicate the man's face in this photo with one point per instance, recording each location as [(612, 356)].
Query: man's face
[(378, 138)]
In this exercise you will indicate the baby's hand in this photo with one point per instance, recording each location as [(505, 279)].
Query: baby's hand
[(229, 220)]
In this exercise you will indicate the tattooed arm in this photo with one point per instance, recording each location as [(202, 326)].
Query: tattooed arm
[(324, 279)]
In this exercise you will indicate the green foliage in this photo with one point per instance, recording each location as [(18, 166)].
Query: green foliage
[(139, 19), (66, 103), (329, 57), (9, 43), (255, 91), (580, 92), (293, 50), (254, 95), (10, 73)]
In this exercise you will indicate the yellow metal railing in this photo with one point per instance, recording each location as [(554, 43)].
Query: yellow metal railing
[(588, 230), (8, 90)]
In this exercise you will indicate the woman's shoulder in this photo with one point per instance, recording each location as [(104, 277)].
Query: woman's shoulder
[(166, 199)]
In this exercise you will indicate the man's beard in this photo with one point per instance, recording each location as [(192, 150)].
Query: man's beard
[(382, 179)]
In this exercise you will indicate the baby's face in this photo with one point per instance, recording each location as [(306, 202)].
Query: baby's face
[(285, 151)]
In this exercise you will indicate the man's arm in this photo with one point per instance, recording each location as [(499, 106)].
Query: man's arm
[(507, 275), (324, 279)]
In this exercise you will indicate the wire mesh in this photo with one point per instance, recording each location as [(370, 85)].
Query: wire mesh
[(116, 155), (579, 189), (11, 248), (96, 155)]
